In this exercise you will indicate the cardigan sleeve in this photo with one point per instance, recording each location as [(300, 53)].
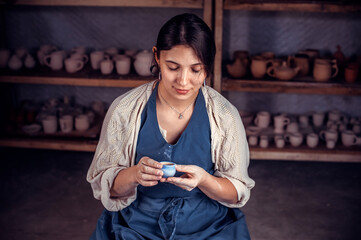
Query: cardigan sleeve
[(230, 150), (116, 147)]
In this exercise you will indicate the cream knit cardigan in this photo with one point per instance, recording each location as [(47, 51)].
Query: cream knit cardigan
[(118, 139)]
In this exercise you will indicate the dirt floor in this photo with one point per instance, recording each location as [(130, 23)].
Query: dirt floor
[(44, 195)]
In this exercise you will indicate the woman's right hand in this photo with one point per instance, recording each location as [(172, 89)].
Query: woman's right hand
[(148, 172)]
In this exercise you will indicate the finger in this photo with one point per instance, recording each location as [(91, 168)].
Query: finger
[(148, 180), (184, 168), (150, 177), (180, 181), (150, 162), (183, 186), (150, 170), (148, 183)]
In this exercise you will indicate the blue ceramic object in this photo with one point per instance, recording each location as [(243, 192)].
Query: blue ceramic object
[(168, 169)]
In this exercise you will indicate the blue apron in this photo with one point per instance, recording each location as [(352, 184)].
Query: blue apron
[(166, 211)]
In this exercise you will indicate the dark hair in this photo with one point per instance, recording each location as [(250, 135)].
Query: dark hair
[(190, 30)]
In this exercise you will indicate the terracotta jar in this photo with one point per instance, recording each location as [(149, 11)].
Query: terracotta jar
[(351, 73), (259, 66), (237, 69), (323, 68)]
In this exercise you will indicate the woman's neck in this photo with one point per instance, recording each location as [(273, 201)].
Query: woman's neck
[(168, 99)]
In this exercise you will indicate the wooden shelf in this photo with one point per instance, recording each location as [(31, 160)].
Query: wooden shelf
[(245, 85), (340, 154), (126, 82), (109, 3), (341, 6), (53, 144), (293, 5), (273, 86)]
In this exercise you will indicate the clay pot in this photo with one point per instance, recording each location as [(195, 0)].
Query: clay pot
[(323, 68), (283, 72), (15, 63), (268, 55), (237, 69), (29, 62), (259, 66), (301, 61), (142, 63), (351, 73), (311, 53)]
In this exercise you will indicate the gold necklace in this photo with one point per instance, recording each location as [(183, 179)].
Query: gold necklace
[(180, 113)]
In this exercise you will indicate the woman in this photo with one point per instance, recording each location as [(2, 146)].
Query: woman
[(175, 119)]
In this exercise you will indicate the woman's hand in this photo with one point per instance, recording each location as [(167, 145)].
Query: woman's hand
[(193, 176), (148, 172)]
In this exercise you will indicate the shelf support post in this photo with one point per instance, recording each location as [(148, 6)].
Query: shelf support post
[(218, 31)]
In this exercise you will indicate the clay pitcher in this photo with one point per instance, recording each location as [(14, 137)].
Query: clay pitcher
[(259, 66), (322, 70)]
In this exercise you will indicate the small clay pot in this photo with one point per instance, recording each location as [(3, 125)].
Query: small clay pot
[(351, 73)]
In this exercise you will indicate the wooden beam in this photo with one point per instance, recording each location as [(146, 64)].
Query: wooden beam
[(306, 154), (312, 6), (218, 31), (207, 13), (70, 81), (111, 3), (303, 153), (52, 144), (274, 86)]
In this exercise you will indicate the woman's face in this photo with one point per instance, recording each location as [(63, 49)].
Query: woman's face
[(182, 73)]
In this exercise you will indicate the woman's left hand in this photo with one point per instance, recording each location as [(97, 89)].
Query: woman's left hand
[(193, 176)]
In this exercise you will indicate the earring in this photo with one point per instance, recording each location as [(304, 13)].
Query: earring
[(159, 76), (204, 83)]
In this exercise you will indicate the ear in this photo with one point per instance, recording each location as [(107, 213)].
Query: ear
[(155, 52)]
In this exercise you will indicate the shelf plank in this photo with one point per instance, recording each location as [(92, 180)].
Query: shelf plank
[(52, 144), (110, 3), (306, 154), (71, 81), (340, 154), (300, 6), (273, 86)]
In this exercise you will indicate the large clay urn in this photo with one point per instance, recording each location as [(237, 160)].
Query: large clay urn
[(259, 66)]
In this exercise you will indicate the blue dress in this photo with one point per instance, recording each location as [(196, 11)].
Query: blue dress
[(166, 211)]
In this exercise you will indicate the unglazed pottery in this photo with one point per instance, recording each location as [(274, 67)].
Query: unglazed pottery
[(142, 63), (259, 66), (283, 72), (238, 68)]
